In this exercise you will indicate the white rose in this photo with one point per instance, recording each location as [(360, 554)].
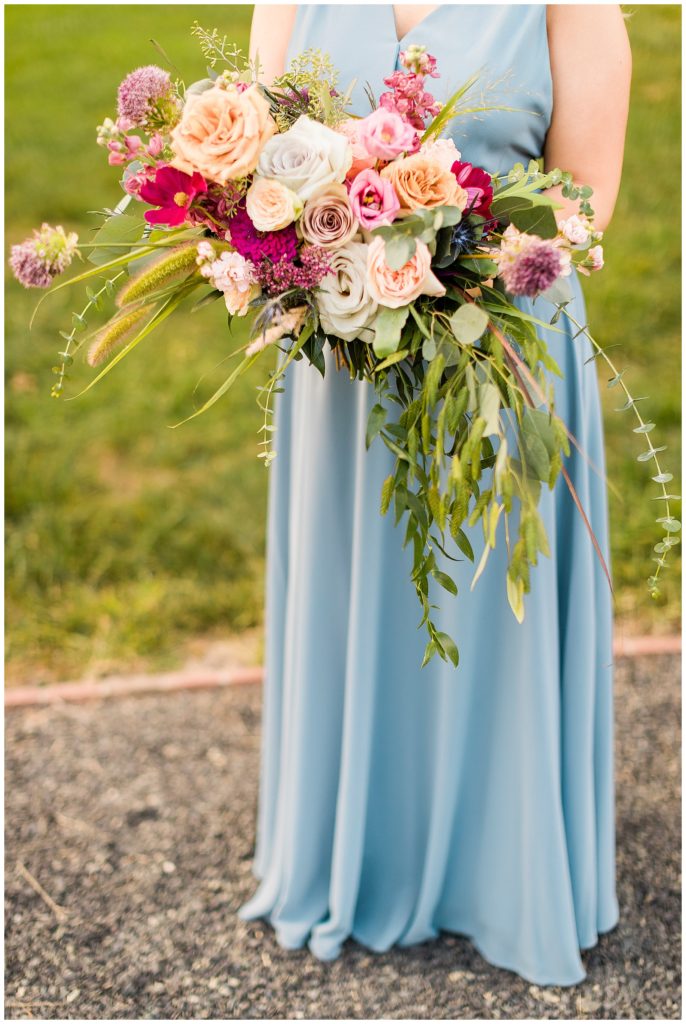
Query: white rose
[(306, 157), (346, 309)]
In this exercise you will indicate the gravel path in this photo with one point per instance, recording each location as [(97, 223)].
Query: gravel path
[(136, 817)]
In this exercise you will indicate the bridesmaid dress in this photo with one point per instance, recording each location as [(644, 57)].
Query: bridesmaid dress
[(396, 803)]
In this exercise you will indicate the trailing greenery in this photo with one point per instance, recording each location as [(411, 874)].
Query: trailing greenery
[(120, 518)]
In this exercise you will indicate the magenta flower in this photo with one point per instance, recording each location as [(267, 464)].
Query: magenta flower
[(173, 191), (140, 92), (477, 184), (373, 200), (257, 245)]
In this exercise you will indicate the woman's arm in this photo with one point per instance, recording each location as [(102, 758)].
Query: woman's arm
[(591, 67), (269, 35)]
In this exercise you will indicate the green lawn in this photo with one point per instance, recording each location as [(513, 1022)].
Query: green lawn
[(124, 538)]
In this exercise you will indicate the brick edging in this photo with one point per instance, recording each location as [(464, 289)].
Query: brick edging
[(169, 682)]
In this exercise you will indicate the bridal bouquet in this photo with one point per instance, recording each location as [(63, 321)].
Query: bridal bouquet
[(369, 235)]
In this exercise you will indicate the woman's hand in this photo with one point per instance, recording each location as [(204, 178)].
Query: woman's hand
[(590, 60)]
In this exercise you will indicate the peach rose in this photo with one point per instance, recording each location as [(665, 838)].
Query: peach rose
[(271, 206), (422, 182), (222, 132), (396, 288)]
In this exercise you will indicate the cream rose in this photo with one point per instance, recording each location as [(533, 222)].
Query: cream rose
[(222, 132), (270, 205), (306, 157), (346, 308), (396, 288), (423, 182), (328, 219)]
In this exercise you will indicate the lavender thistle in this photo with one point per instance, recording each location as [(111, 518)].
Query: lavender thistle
[(145, 98), (38, 260), (533, 271)]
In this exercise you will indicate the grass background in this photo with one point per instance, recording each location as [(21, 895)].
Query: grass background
[(126, 540)]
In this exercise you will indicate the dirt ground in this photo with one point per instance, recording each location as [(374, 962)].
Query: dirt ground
[(130, 828)]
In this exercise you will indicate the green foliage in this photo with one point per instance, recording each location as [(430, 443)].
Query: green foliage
[(124, 538)]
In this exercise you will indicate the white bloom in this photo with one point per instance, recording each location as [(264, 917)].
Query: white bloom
[(595, 254), (306, 157), (443, 151), (270, 205), (576, 229), (346, 309), (232, 275)]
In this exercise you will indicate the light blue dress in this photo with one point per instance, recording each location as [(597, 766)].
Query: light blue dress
[(395, 802)]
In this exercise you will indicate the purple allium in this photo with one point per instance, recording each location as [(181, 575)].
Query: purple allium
[(313, 264), (533, 270), (258, 245), (36, 261), (140, 91)]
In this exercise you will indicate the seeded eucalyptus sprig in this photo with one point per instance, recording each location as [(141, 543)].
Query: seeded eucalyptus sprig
[(668, 522)]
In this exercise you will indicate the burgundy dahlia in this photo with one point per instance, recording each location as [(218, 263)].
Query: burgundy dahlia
[(258, 245), (477, 184)]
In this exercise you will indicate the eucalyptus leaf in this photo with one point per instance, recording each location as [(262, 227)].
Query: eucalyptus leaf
[(468, 323), (375, 421), (388, 328), (399, 250)]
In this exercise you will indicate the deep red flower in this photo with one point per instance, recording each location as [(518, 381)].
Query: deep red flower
[(173, 191), (477, 184)]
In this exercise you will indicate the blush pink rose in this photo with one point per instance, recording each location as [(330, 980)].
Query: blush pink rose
[(395, 288), (385, 135), (373, 200), (361, 158)]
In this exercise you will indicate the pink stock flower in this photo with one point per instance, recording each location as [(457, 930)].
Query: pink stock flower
[(373, 200), (407, 97), (477, 184), (386, 135), (173, 191)]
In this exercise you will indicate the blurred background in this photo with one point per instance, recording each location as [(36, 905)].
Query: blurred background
[(131, 546)]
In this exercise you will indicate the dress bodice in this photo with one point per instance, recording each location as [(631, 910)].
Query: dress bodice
[(506, 43)]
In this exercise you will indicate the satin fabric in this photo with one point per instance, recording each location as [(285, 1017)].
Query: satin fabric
[(396, 803)]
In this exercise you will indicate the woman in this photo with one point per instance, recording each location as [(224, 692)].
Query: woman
[(397, 802)]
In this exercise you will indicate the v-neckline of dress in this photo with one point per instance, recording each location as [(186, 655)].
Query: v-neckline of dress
[(418, 25)]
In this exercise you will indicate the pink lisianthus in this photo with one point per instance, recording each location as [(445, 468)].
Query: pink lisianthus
[(384, 134), (477, 184), (361, 158), (173, 191), (373, 200)]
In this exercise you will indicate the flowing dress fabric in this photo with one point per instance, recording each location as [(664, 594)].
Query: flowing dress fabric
[(397, 802)]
